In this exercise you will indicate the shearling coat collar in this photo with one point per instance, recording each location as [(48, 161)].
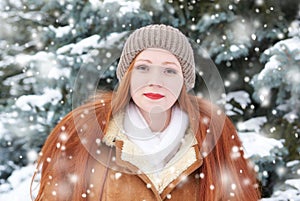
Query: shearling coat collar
[(186, 160)]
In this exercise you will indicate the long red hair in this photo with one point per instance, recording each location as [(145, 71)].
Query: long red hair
[(225, 173)]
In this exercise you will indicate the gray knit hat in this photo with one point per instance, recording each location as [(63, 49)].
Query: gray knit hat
[(159, 36)]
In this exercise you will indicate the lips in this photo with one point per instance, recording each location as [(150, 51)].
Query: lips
[(153, 96)]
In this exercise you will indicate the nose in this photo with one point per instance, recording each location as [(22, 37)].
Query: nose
[(155, 78)]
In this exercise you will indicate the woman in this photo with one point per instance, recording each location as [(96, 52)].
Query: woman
[(150, 140)]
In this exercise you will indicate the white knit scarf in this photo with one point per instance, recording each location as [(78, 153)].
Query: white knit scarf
[(158, 147)]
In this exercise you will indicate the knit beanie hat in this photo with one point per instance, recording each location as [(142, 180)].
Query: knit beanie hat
[(164, 37)]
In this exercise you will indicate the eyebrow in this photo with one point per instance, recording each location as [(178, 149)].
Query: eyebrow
[(172, 63), (146, 60), (166, 62)]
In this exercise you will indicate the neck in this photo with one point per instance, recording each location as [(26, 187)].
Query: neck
[(157, 121)]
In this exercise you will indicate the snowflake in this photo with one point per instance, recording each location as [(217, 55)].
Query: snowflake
[(73, 178), (32, 155), (118, 175)]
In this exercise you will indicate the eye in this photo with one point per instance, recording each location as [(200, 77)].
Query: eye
[(142, 68), (170, 71)]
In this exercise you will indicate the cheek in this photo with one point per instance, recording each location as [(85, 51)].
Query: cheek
[(174, 86), (134, 93), (136, 82)]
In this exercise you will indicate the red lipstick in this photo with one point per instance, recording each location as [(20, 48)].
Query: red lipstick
[(153, 96)]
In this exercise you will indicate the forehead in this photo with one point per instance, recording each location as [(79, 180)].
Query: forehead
[(157, 56)]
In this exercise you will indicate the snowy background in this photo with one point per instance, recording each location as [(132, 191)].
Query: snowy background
[(54, 54)]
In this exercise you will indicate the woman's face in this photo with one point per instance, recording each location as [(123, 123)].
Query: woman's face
[(156, 80)]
